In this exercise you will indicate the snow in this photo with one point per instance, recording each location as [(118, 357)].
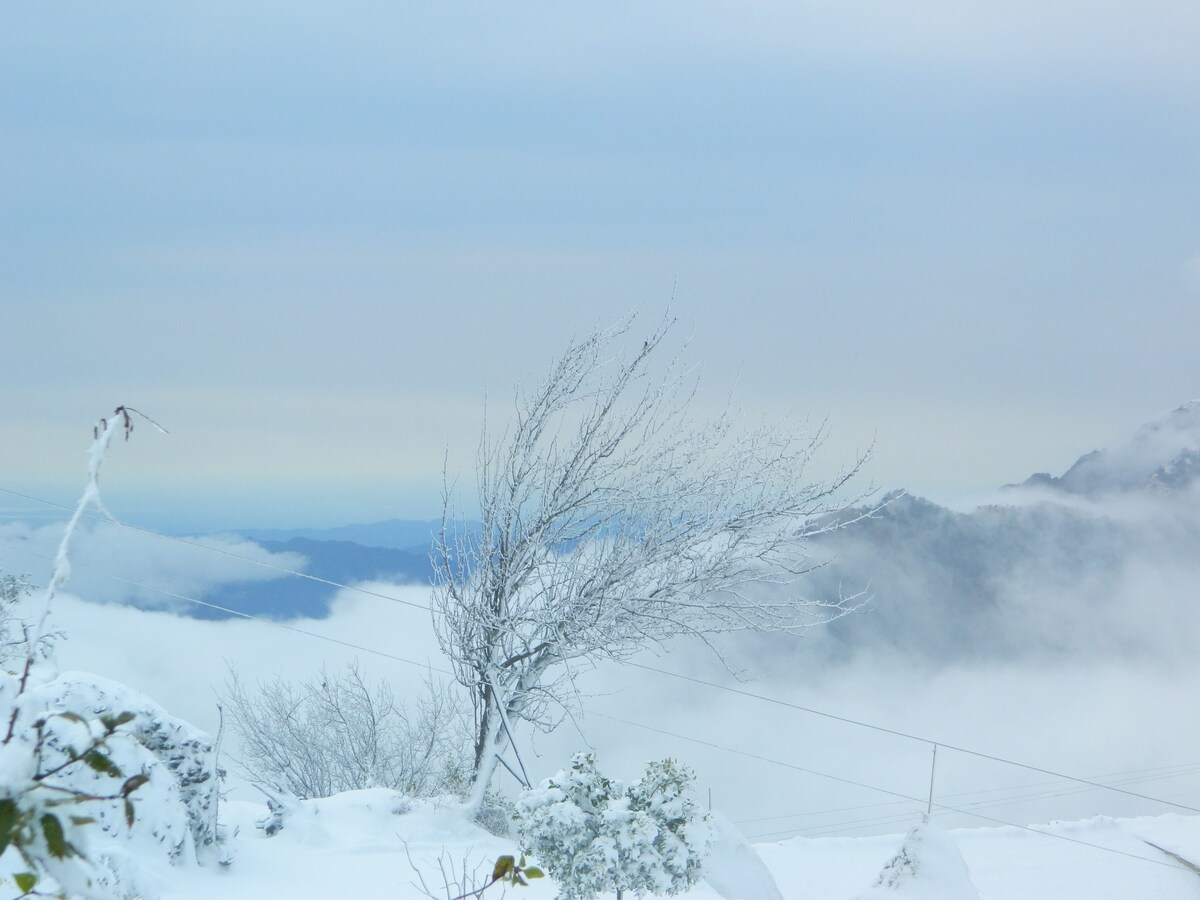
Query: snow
[(1006, 863), (379, 843), (356, 844), (366, 844), (733, 868), (353, 845), (373, 843)]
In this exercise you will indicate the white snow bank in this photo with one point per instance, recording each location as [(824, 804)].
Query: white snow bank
[(369, 843), (733, 868), (1095, 859), (359, 845)]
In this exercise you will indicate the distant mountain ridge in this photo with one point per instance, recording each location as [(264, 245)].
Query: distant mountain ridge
[(1037, 575), (397, 534), (1162, 455), (945, 584)]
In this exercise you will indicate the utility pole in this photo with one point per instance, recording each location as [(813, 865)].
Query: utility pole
[(932, 772)]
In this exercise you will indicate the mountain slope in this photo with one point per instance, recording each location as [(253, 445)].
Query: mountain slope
[(1101, 560), (1162, 455)]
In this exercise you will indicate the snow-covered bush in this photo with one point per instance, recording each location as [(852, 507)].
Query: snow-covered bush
[(339, 733), (95, 780), (178, 807), (928, 866), (593, 835), (44, 819), (14, 592)]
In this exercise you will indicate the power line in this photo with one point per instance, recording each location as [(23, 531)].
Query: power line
[(254, 562), (903, 734), (964, 808), (688, 678), (244, 615), (832, 828), (1176, 771), (940, 806), (648, 727), (748, 754), (1054, 794)]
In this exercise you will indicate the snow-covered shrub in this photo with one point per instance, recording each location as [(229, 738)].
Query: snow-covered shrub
[(928, 866), (593, 835), (43, 819), (126, 783), (183, 813), (339, 733), (14, 592)]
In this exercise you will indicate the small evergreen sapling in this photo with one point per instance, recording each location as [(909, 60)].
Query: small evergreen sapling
[(593, 834)]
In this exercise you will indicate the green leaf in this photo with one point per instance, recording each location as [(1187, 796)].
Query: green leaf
[(133, 783), (128, 812), (503, 866), (82, 820), (102, 764), (56, 840), (26, 881), (73, 717), (112, 723), (8, 822), (534, 872)]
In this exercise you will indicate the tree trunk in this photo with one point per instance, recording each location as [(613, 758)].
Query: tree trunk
[(491, 742)]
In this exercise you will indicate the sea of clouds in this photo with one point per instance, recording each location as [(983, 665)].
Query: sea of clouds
[(1081, 664)]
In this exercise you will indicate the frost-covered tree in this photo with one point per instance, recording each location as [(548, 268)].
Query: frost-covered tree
[(338, 733), (612, 520), (594, 835)]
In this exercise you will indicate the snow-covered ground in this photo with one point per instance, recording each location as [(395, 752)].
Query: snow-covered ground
[(359, 845), (370, 844)]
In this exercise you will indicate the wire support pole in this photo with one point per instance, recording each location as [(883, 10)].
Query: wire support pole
[(932, 774)]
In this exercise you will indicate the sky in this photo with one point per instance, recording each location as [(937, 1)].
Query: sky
[(310, 241)]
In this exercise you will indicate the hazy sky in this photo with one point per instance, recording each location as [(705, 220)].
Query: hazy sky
[(308, 238)]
